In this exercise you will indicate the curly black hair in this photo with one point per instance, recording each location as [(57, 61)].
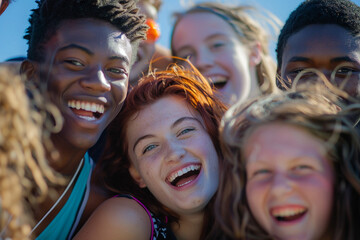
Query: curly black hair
[(44, 20), (340, 12)]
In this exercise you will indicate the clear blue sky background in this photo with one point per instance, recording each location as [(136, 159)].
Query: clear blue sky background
[(14, 20)]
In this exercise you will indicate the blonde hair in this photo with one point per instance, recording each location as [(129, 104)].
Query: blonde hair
[(24, 170), (251, 25), (317, 110)]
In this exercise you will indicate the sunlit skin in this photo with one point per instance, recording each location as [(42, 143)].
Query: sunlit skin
[(87, 61), (290, 182), (216, 50), (324, 47), (172, 138)]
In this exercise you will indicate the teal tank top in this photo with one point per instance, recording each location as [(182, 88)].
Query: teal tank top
[(62, 227)]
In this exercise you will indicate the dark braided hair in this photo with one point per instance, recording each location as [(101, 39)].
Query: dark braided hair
[(344, 13), (44, 20)]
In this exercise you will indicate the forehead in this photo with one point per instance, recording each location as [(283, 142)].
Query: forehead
[(321, 40), (202, 24), (148, 9), (282, 137), (168, 108), (91, 33)]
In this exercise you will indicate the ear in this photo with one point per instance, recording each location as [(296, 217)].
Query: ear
[(255, 54), (136, 176), (28, 68)]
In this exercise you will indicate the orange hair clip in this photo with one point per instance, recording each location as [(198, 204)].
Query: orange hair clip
[(153, 32)]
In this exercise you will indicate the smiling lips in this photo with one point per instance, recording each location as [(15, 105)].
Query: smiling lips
[(288, 213), (218, 81), (184, 176), (86, 110)]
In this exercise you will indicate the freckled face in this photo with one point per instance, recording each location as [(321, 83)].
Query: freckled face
[(326, 47), (86, 68), (289, 182), (174, 155), (216, 50)]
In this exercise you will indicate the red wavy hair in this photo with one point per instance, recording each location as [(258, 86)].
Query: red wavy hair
[(175, 80)]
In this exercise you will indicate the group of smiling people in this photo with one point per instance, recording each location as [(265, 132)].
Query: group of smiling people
[(220, 144)]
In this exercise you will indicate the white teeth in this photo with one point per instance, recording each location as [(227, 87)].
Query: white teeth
[(87, 106), (180, 185), (87, 118), (181, 172), (218, 79), (288, 212)]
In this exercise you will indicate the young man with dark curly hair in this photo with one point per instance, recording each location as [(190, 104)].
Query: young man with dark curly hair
[(324, 35), (81, 52)]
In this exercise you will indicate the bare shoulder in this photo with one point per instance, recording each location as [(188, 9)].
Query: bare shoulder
[(117, 218)]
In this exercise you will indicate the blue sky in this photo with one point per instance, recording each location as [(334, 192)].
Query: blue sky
[(14, 20)]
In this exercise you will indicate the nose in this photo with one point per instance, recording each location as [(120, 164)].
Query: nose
[(96, 81), (175, 151), (203, 60), (281, 185)]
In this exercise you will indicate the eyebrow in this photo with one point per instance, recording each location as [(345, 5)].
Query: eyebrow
[(342, 59), (72, 46), (208, 38), (121, 58), (177, 122), (89, 52), (299, 59)]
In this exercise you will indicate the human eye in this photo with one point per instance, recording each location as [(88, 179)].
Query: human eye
[(346, 71), (187, 56), (296, 71), (74, 62), (217, 44), (149, 148), (302, 169), (117, 71), (259, 173), (185, 131)]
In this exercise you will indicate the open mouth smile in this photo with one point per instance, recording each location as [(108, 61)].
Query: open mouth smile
[(86, 110), (288, 214), (184, 176), (218, 81)]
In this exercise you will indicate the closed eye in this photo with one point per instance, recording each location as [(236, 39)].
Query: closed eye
[(261, 171), (218, 45), (301, 167)]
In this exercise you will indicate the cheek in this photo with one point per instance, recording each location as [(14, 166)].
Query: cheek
[(255, 196), (320, 194), (119, 91)]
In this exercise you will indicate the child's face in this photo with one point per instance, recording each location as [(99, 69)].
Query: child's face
[(86, 67), (324, 47), (217, 52), (173, 155), (289, 182)]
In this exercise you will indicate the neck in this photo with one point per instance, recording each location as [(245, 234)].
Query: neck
[(189, 226), (67, 158), (254, 86)]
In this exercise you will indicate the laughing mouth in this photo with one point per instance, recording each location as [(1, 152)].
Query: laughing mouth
[(287, 214), (86, 110), (184, 176), (218, 81)]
